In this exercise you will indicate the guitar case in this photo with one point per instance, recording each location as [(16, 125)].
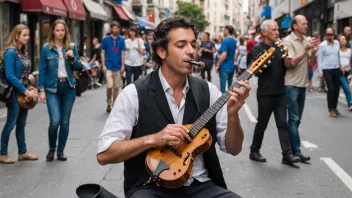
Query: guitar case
[(93, 191)]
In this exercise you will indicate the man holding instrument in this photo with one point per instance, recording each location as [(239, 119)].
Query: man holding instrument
[(271, 96), (152, 111)]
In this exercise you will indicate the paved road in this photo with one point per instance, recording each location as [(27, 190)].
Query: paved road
[(332, 136)]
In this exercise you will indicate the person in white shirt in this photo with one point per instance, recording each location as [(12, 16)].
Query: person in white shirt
[(134, 56), (345, 62), (151, 112)]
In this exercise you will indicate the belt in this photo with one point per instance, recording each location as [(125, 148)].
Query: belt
[(62, 79)]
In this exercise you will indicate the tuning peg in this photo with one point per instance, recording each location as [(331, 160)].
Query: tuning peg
[(285, 48), (265, 66), (284, 56), (269, 61)]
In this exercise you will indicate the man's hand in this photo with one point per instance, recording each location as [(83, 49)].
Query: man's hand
[(315, 50), (202, 64), (343, 70), (103, 68), (312, 43), (320, 75), (238, 97), (217, 68), (172, 134)]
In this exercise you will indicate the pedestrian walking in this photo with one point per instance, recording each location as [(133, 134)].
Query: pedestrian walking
[(160, 105), (241, 56), (58, 58), (345, 62), (113, 59), (207, 48), (134, 56), (271, 96), (18, 72), (301, 51), (226, 62), (329, 67), (96, 60)]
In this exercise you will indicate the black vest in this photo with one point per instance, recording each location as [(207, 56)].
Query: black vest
[(155, 114)]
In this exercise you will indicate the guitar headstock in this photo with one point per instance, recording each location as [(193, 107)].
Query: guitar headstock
[(261, 61), (283, 49)]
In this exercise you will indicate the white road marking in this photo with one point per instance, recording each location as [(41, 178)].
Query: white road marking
[(249, 113), (339, 172), (308, 145)]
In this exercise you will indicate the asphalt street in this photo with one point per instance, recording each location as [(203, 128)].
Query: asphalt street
[(325, 139)]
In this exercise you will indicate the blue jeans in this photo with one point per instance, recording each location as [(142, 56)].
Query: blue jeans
[(346, 88), (59, 107), (16, 116), (225, 76), (295, 99)]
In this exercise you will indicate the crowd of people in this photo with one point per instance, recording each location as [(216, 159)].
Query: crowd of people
[(172, 95)]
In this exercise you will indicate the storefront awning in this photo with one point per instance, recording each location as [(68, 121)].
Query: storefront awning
[(13, 1), (285, 24), (128, 13), (95, 9), (75, 9), (119, 11), (144, 23), (54, 7)]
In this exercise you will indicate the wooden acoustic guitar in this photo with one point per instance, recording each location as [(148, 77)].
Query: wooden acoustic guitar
[(171, 166)]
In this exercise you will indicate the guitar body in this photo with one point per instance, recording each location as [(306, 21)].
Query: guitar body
[(176, 170)]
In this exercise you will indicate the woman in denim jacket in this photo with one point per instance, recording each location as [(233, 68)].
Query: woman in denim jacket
[(57, 85), (17, 68)]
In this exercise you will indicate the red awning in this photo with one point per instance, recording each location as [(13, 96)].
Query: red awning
[(75, 9), (13, 1), (54, 7), (119, 11)]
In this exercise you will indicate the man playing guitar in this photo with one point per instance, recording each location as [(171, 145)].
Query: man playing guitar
[(151, 112)]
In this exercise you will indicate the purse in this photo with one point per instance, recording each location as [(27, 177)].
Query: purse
[(6, 88), (28, 103)]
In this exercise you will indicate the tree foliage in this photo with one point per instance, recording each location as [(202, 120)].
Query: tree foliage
[(194, 12)]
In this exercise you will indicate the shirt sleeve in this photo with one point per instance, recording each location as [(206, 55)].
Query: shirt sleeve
[(224, 46), (122, 119), (221, 117), (289, 46)]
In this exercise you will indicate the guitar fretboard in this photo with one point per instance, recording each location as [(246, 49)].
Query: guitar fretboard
[(213, 109)]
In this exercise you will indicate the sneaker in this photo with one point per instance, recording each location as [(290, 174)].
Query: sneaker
[(5, 159), (350, 107)]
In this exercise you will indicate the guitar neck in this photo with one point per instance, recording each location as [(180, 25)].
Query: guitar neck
[(219, 103)]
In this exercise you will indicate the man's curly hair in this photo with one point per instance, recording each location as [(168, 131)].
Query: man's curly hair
[(161, 33)]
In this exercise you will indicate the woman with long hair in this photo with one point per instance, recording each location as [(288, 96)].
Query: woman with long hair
[(17, 69), (345, 62), (57, 85)]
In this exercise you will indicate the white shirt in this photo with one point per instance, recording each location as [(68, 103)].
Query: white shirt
[(133, 57), (124, 116), (62, 69), (345, 59)]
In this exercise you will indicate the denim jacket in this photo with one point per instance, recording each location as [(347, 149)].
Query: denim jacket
[(49, 66), (13, 69)]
